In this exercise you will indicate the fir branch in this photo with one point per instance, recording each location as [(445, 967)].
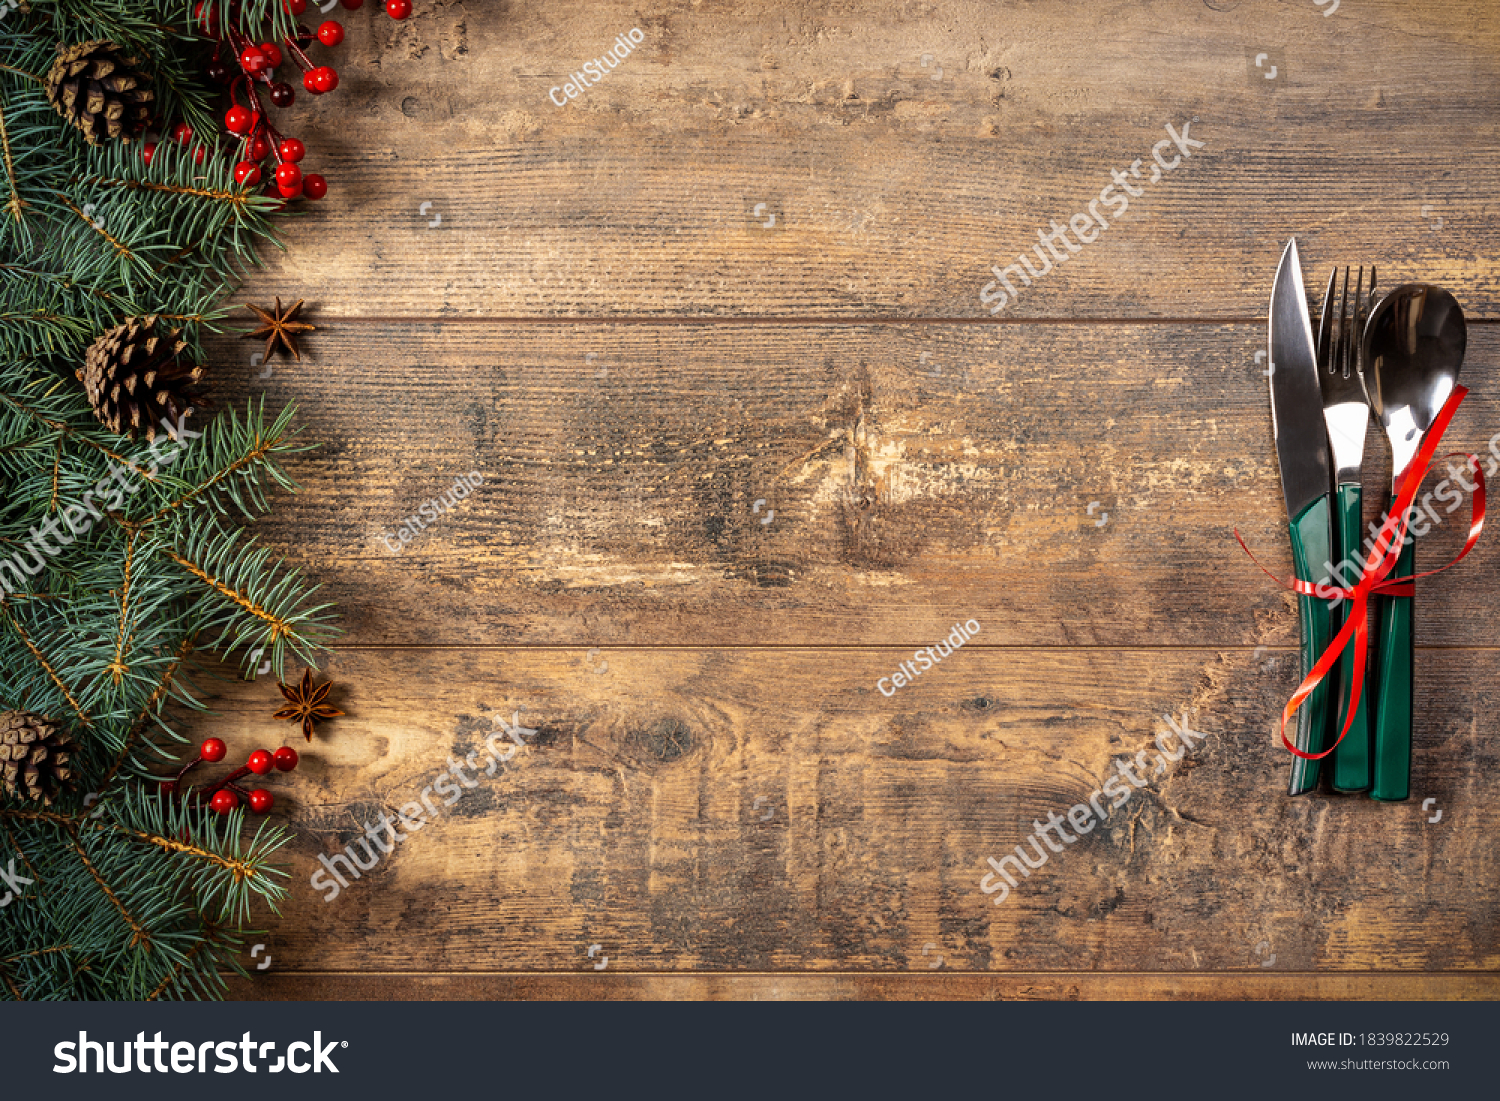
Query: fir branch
[(10, 982), (42, 661), (117, 667), (37, 952), (239, 869), (122, 251), (140, 938), (239, 597), (177, 971), (105, 595), (15, 205), (138, 727), (66, 429)]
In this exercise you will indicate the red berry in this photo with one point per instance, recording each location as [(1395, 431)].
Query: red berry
[(398, 9), (182, 133), (208, 22), (282, 94), (314, 186), (296, 7), (247, 173), (218, 72), (325, 78), (310, 81), (224, 801), (331, 33), (148, 152), (272, 52), (213, 750), (165, 788), (261, 801), (289, 192), (353, 5), (238, 119), (286, 756), (260, 762), (200, 154), (288, 175), (254, 60), (259, 149), (292, 150)]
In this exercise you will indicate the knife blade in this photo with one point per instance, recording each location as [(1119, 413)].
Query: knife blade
[(1306, 484)]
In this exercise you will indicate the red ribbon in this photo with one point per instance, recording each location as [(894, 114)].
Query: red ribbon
[(1375, 577)]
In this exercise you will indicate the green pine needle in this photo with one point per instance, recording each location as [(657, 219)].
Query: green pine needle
[(123, 560)]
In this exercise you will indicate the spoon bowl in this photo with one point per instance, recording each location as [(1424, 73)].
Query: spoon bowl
[(1412, 349)]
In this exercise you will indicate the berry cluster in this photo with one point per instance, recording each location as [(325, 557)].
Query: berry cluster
[(224, 796), (247, 68)]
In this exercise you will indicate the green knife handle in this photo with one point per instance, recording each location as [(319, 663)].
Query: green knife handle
[(1311, 547), (1393, 712), (1351, 760)]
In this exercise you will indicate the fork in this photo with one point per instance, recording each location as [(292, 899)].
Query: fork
[(1346, 412)]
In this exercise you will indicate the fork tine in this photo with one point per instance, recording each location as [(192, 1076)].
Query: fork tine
[(1341, 348), (1351, 342), (1325, 323)]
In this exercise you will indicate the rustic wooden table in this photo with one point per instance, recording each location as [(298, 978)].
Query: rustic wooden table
[(712, 335)]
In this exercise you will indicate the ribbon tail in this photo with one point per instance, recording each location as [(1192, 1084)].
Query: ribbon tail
[(1353, 626)]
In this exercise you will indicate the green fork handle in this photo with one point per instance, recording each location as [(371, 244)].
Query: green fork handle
[(1351, 760), (1311, 547), (1393, 712)]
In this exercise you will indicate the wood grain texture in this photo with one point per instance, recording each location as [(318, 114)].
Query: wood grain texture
[(696, 809), (935, 986), (732, 485), (591, 317), (896, 193)]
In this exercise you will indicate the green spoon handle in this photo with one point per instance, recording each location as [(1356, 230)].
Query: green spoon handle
[(1311, 547), (1393, 712), (1351, 760)]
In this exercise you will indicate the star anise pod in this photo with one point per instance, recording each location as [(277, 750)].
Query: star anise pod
[(280, 326), (307, 706)]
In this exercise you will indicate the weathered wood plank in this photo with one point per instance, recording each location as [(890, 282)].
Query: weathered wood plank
[(937, 985), (894, 193), (718, 484), (772, 810)]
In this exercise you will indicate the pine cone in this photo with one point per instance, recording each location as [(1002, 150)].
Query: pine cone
[(132, 377), (100, 90), (33, 757)]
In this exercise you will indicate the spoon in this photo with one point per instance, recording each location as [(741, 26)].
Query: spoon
[(1413, 347)]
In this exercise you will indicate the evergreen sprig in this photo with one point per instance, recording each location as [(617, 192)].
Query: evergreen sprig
[(122, 559)]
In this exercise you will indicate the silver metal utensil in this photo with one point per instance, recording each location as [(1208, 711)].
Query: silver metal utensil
[(1346, 412), (1413, 348)]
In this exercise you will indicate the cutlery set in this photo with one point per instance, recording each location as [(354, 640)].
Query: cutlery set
[(1396, 358)]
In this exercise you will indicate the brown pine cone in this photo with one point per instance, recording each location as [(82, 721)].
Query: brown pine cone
[(100, 90), (133, 378), (33, 757)]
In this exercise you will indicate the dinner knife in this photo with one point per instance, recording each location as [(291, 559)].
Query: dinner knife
[(1306, 483)]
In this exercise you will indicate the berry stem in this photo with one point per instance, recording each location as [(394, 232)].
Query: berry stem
[(228, 781), (177, 783), (301, 58)]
